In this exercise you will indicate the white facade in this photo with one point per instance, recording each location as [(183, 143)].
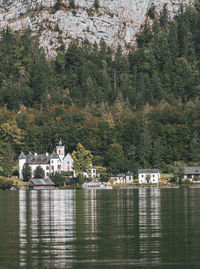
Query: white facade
[(92, 173), (68, 163), (146, 176), (122, 178), (50, 163)]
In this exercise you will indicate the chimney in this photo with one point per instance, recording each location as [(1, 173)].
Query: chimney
[(47, 154)]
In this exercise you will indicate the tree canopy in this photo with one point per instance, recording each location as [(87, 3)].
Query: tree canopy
[(133, 110)]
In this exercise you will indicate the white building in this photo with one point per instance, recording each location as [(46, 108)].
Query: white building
[(192, 173), (148, 176), (91, 173), (122, 178), (50, 163)]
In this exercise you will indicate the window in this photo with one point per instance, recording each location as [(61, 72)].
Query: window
[(59, 167), (52, 167), (47, 174), (52, 161), (142, 175), (153, 175), (47, 168)]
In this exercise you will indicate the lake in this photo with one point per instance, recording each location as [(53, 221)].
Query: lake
[(120, 228)]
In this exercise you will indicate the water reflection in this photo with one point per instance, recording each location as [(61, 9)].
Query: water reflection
[(143, 228), (149, 224), (46, 228)]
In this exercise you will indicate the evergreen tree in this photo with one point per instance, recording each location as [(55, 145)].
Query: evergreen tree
[(39, 172), (57, 5), (71, 3), (26, 172), (96, 4), (7, 160)]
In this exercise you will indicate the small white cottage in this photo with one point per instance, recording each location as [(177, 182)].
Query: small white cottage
[(146, 176), (122, 178), (192, 172)]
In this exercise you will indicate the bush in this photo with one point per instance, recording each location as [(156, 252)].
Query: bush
[(5, 184), (15, 172), (71, 181), (58, 179)]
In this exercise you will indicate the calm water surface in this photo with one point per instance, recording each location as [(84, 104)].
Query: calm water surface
[(125, 228)]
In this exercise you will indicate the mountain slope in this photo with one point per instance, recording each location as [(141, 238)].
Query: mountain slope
[(60, 21)]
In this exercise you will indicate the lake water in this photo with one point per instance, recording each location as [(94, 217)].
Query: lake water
[(122, 228)]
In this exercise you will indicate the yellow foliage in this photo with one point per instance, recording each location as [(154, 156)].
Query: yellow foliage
[(58, 118)]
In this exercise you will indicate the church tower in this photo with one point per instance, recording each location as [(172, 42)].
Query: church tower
[(60, 150)]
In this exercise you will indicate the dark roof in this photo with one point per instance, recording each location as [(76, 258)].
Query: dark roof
[(122, 174), (22, 156), (129, 174), (192, 170), (37, 159), (148, 171), (42, 182), (30, 155), (117, 175), (54, 155)]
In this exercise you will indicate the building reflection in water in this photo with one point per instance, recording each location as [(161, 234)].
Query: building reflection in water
[(90, 218), (149, 224), (46, 232)]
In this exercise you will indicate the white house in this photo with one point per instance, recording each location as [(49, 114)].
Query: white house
[(50, 163), (191, 173), (91, 172), (122, 178), (148, 176)]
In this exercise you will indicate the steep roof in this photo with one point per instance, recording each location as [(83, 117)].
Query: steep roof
[(42, 182), (140, 171), (22, 156), (54, 155), (192, 170), (37, 159), (30, 155)]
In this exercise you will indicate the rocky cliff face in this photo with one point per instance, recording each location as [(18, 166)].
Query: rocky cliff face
[(60, 21)]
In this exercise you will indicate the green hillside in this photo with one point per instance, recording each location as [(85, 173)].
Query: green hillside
[(135, 110)]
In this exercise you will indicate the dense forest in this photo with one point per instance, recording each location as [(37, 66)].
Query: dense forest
[(135, 110)]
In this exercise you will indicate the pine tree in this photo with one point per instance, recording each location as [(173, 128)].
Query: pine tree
[(57, 5), (71, 4), (39, 172), (26, 172), (96, 4), (8, 160)]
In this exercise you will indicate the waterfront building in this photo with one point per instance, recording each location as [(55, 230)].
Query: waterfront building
[(122, 178), (148, 176), (192, 173), (50, 163), (57, 161), (40, 184)]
